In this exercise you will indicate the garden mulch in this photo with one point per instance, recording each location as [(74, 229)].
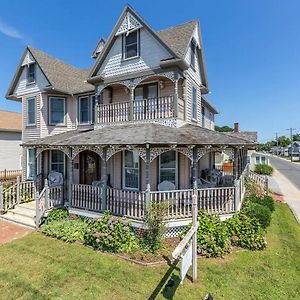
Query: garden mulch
[(10, 232)]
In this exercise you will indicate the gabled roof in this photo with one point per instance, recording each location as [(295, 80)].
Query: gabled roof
[(62, 77), (128, 9), (140, 134), (247, 135), (10, 121), (209, 105)]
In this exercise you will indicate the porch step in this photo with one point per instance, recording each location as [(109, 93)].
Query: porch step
[(23, 214)]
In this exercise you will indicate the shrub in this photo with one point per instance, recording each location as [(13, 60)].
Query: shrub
[(66, 230), (110, 234), (212, 236), (264, 200), (154, 220), (57, 214), (246, 232), (263, 169), (260, 212), (268, 202)]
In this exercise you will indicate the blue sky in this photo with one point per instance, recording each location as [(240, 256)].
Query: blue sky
[(252, 49)]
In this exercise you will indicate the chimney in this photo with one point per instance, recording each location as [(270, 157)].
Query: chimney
[(236, 127)]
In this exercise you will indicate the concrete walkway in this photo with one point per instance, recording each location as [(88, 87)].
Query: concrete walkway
[(282, 186), (10, 232)]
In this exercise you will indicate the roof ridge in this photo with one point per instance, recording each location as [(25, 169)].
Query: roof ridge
[(182, 24)]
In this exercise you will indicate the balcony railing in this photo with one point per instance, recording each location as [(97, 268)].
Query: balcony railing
[(146, 109)]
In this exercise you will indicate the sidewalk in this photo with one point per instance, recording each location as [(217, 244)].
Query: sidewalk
[(279, 184)]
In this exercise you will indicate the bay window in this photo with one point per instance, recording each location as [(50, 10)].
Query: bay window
[(57, 110), (131, 170)]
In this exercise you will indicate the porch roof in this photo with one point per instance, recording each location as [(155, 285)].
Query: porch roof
[(141, 134)]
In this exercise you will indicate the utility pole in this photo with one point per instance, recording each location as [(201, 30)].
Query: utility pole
[(291, 134), (277, 145)]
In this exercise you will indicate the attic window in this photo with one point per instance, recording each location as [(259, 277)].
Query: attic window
[(193, 53), (30, 73), (131, 44)]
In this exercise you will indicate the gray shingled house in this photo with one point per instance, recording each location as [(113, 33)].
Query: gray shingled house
[(136, 127)]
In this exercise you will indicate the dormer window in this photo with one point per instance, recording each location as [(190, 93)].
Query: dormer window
[(193, 53), (30, 73), (131, 44)]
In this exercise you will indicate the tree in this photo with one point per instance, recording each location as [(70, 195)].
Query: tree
[(223, 128), (296, 137), (283, 141)]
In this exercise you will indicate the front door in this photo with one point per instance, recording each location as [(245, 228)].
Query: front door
[(89, 167)]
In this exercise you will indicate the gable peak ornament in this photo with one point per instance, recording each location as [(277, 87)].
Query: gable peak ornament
[(128, 24)]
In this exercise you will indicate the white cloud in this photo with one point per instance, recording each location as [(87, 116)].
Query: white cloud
[(9, 31)]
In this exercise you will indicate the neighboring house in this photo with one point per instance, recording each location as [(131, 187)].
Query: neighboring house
[(10, 140), (294, 149), (137, 120), (256, 158)]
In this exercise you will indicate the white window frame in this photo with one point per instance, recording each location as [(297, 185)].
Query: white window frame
[(27, 163), (27, 111), (176, 167), (194, 105), (49, 111), (123, 173), (27, 74), (137, 45), (51, 161)]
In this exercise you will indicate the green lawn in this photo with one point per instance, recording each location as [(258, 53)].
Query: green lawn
[(38, 267)]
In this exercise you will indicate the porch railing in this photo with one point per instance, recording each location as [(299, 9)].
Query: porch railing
[(9, 174), (259, 179), (19, 192), (145, 109), (126, 203), (86, 197)]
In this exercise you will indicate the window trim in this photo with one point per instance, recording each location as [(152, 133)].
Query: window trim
[(176, 167), (27, 112), (34, 74), (194, 114), (124, 58), (49, 111), (123, 172), (51, 162), (203, 115)]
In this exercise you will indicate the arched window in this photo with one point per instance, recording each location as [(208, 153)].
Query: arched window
[(131, 170)]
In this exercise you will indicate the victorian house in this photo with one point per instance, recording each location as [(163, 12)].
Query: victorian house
[(135, 127)]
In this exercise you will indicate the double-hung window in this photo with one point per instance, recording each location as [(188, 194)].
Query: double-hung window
[(30, 75), (57, 161), (203, 115), (167, 167), (194, 103), (193, 54), (84, 110), (93, 104), (57, 110), (31, 111), (131, 170), (131, 44), (31, 164)]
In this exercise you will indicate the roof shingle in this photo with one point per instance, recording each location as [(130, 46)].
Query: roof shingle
[(10, 121)]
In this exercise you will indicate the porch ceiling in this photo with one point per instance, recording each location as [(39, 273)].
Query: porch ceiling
[(141, 134)]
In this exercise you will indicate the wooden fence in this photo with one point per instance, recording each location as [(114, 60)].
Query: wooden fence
[(261, 180), (9, 174)]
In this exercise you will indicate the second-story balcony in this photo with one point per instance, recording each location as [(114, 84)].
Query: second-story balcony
[(137, 110)]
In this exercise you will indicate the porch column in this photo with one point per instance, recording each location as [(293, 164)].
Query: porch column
[(131, 103), (70, 183), (148, 174), (104, 180), (195, 167), (235, 163), (176, 95)]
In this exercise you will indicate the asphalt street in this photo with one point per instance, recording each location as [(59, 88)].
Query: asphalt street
[(290, 170)]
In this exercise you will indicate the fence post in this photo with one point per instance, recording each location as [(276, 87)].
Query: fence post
[(46, 195), (37, 209), (237, 195), (1, 197), (18, 189), (147, 195), (4, 174)]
